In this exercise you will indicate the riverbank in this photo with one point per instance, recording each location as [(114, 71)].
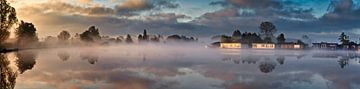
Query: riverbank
[(6, 50)]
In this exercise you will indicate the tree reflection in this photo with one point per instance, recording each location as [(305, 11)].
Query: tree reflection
[(25, 61), (64, 55), (343, 62), (7, 75), (250, 60), (267, 66), (280, 60), (92, 59)]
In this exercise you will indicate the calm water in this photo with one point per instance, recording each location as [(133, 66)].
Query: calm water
[(180, 67)]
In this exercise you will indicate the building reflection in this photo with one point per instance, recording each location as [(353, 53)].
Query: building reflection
[(25, 60), (266, 63), (64, 55), (7, 75), (343, 57)]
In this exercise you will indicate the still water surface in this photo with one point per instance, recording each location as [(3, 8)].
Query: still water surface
[(167, 67)]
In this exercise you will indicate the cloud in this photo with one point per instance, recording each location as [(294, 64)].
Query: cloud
[(289, 17), (132, 16), (85, 1), (66, 9), (132, 7), (253, 4)]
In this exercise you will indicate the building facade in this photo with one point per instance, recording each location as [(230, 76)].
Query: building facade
[(325, 46), (230, 45), (291, 46), (263, 46)]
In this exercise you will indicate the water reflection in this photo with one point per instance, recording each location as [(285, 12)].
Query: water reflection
[(91, 57), (198, 69), (63, 55), (7, 75), (25, 60), (267, 66)]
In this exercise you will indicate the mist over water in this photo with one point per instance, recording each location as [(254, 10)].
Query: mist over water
[(184, 66)]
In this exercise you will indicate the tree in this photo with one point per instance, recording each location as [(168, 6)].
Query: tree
[(267, 30), (128, 39), (306, 39), (140, 38), (91, 35), (343, 38), (64, 35), (145, 35), (225, 39), (7, 19), (26, 33), (236, 33), (281, 38), (236, 36)]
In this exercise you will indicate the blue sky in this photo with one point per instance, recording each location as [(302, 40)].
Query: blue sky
[(201, 18)]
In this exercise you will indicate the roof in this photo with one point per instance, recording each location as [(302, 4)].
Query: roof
[(325, 43), (263, 43)]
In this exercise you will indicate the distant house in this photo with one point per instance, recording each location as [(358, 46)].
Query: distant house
[(291, 45), (350, 46), (325, 46), (263, 46), (233, 45), (230, 45)]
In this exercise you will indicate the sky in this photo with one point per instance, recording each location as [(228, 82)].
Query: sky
[(322, 20)]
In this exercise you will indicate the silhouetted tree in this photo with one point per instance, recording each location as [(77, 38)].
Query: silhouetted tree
[(281, 38), (7, 19), (7, 75), (173, 37), (140, 38), (64, 36), (181, 38), (249, 38), (50, 39), (26, 34), (306, 39), (145, 35), (267, 30), (118, 40), (128, 39), (25, 61), (236, 36), (91, 35), (343, 38), (225, 39)]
